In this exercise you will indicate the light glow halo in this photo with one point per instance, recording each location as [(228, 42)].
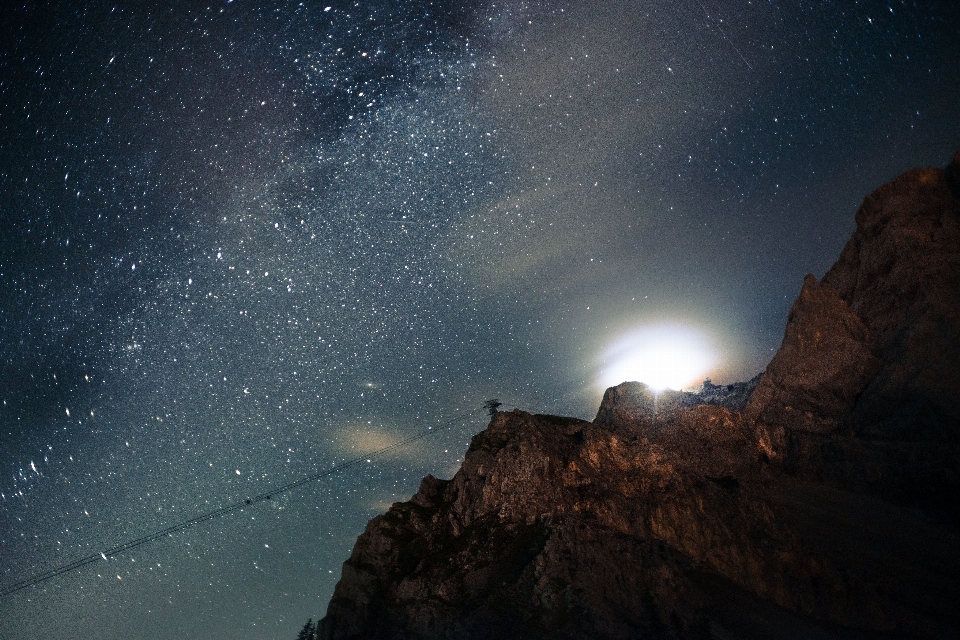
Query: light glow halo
[(661, 356)]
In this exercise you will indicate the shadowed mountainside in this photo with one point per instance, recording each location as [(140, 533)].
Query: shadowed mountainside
[(813, 503)]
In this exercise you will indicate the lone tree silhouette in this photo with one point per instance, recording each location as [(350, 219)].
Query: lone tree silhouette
[(492, 405), (309, 631)]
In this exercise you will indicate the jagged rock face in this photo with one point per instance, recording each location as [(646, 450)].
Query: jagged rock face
[(561, 528), (900, 272), (825, 362), (865, 390), (628, 403), (665, 518), (633, 403)]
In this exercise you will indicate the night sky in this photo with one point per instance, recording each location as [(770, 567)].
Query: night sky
[(241, 243)]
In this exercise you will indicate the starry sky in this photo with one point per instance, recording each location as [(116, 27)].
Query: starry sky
[(243, 242)]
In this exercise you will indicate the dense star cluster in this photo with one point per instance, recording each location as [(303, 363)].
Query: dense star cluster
[(245, 242)]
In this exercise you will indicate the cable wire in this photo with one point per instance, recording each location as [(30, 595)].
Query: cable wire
[(222, 511)]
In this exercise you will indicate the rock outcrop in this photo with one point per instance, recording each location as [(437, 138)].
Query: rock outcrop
[(865, 390), (630, 402), (823, 509)]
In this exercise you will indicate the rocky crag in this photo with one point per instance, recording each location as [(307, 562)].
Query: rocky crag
[(816, 502)]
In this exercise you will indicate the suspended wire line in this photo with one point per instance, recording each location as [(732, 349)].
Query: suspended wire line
[(222, 511)]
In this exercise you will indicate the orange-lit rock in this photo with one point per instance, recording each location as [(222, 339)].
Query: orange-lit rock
[(824, 509)]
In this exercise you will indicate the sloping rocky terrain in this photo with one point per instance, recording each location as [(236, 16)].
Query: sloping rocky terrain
[(816, 502)]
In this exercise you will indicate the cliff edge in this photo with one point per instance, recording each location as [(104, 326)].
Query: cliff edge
[(820, 507)]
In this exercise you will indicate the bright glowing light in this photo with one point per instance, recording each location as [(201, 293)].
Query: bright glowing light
[(663, 357)]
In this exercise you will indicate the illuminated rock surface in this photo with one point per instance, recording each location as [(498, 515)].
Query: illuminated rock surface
[(821, 510), (865, 390)]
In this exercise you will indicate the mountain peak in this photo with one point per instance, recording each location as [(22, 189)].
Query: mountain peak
[(815, 501)]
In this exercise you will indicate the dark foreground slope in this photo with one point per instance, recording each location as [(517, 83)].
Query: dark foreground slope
[(821, 510)]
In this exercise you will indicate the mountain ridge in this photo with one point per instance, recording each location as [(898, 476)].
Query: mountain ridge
[(814, 501)]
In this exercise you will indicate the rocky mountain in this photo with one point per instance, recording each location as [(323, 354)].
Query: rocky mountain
[(816, 502)]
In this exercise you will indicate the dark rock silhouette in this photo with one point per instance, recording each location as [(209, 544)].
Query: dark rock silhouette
[(865, 390), (822, 507)]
